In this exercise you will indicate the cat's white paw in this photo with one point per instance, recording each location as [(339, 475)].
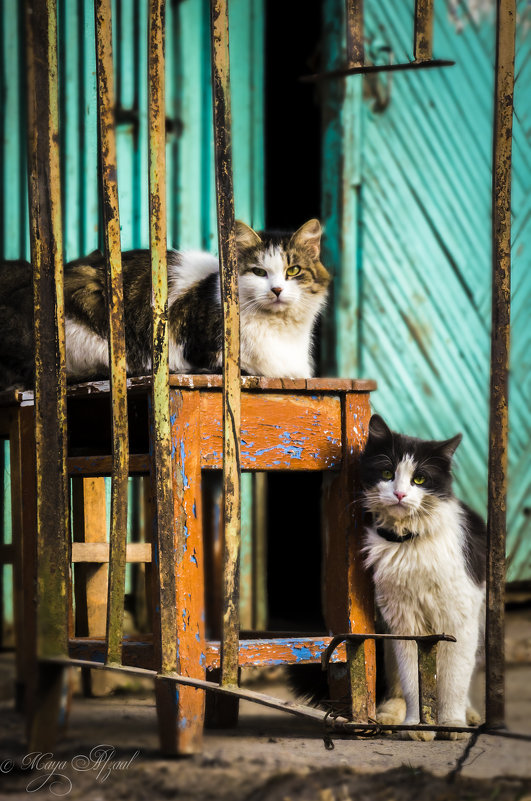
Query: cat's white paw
[(453, 735), (473, 718), (421, 736), (391, 712)]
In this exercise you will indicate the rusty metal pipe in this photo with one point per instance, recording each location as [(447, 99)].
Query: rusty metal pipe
[(355, 44), (499, 365), (231, 339), (423, 36), (165, 622), (117, 360), (50, 378)]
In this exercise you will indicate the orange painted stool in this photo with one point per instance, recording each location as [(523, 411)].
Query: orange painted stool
[(303, 425)]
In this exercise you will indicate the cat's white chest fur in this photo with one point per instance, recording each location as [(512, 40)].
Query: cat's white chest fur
[(272, 348), (422, 585)]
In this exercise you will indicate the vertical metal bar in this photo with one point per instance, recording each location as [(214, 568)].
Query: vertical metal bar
[(161, 438), (231, 339), (423, 37), (358, 681), (50, 382), (427, 656), (111, 225), (500, 336), (355, 45)]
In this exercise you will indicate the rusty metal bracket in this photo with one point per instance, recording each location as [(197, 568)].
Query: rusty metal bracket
[(427, 665), (422, 45)]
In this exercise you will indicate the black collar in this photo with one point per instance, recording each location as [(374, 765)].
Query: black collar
[(390, 536)]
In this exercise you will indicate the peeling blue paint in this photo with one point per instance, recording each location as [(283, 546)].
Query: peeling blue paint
[(183, 473), (197, 635), (202, 659), (173, 418), (194, 510), (193, 558)]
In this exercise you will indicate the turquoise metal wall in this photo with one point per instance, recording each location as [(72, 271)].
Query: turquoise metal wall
[(407, 182), (190, 164)]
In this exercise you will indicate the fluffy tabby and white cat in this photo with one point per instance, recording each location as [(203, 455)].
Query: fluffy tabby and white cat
[(282, 288), (426, 550)]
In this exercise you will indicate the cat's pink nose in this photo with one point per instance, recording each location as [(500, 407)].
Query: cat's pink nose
[(400, 495), (276, 290)]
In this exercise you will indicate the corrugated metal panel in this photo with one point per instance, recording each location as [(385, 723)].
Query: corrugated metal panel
[(421, 277)]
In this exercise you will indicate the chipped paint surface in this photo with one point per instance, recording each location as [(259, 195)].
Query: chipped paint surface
[(189, 587), (279, 431)]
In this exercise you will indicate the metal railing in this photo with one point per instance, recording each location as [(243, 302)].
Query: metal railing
[(53, 584)]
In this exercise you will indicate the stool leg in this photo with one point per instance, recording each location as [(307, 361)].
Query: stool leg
[(89, 524), (181, 720), (348, 594)]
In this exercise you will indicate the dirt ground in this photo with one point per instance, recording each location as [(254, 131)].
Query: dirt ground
[(270, 756)]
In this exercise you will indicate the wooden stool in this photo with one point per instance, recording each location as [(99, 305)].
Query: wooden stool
[(304, 425)]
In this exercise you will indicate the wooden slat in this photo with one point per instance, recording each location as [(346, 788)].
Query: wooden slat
[(231, 337), (111, 218), (102, 465), (278, 432), (98, 552), (251, 653), (216, 382)]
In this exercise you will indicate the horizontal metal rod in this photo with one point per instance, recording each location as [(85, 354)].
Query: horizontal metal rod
[(299, 710), (340, 638), (409, 65)]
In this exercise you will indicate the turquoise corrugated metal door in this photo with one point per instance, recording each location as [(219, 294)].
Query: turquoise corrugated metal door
[(413, 305)]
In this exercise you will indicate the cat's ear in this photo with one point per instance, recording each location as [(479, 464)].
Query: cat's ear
[(308, 238), (378, 428), (245, 236), (448, 447)]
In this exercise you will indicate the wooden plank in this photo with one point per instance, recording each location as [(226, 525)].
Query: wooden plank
[(89, 529), (102, 465), (117, 360), (278, 432), (139, 651), (188, 709), (98, 552), (205, 381)]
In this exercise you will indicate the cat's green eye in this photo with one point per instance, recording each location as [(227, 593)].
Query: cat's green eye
[(293, 270), (419, 479), (259, 271), (387, 474)]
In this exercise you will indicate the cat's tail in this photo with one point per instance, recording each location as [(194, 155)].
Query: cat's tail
[(309, 684)]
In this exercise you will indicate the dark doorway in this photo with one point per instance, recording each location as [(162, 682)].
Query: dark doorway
[(293, 196)]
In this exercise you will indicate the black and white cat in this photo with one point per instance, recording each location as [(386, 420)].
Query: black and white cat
[(426, 550), (282, 288)]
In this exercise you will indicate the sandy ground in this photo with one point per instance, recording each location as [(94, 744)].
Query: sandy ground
[(272, 756)]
